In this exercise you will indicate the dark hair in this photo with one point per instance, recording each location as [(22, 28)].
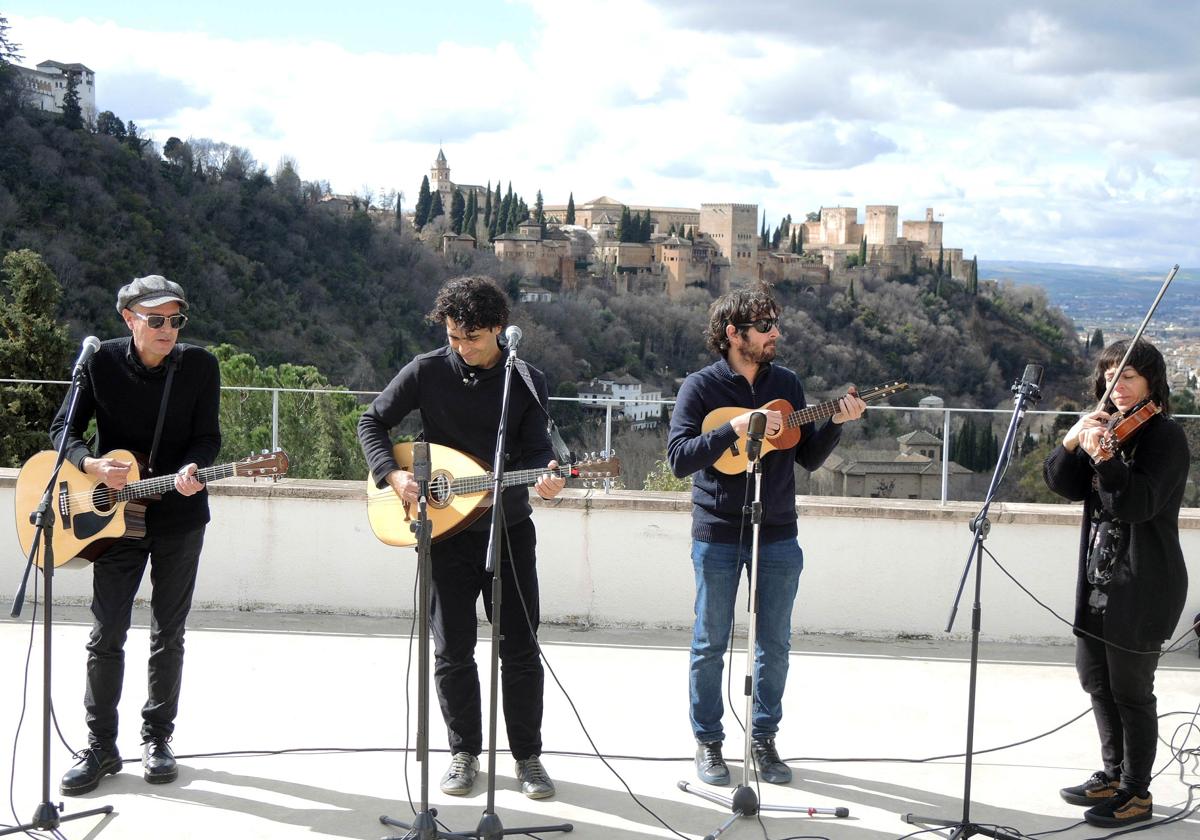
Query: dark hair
[(1146, 360), (740, 307), (474, 303)]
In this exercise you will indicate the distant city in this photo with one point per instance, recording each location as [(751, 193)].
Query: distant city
[(1115, 300)]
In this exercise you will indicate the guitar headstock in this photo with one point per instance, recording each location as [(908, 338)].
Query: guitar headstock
[(263, 465), (881, 391), (597, 467)]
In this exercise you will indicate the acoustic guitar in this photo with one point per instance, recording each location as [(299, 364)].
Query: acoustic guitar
[(89, 514), (734, 460), (459, 491)]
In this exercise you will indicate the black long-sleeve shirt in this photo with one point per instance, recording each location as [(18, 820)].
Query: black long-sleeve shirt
[(1145, 489), (124, 396), (460, 408)]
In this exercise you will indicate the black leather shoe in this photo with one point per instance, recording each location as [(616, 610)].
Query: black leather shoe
[(710, 764), (158, 762), (94, 764), (767, 762)]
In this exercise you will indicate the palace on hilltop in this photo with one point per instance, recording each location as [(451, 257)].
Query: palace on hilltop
[(712, 247), (46, 86)]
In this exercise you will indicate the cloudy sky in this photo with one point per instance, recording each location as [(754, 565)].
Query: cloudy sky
[(1059, 130)]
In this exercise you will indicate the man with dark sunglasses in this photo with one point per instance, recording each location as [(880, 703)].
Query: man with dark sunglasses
[(744, 329), (125, 388)]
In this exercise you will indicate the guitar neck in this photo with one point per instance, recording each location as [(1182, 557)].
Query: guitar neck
[(165, 483), (821, 411), (467, 485)]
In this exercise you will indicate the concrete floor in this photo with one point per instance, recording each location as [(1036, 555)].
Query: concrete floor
[(859, 717)]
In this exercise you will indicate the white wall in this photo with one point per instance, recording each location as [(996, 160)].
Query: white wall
[(872, 567)]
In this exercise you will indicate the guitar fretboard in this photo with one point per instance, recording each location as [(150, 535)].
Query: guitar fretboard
[(165, 483), (820, 411), (467, 485)]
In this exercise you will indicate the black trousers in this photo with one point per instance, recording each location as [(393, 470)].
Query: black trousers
[(459, 578), (116, 575), (1121, 685)]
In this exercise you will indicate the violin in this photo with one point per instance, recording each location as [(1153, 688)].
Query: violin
[(1122, 426)]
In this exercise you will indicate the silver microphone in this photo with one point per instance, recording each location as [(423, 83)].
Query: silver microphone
[(90, 345), (512, 337)]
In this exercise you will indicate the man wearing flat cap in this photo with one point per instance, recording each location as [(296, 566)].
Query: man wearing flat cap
[(154, 396)]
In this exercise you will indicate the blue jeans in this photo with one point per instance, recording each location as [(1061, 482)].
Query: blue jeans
[(718, 568)]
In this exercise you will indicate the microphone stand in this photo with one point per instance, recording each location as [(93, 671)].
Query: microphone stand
[(1027, 390), (744, 802), (424, 825), (48, 815), (490, 826)]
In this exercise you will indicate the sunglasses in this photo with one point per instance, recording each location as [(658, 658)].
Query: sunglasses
[(762, 325), (155, 322)]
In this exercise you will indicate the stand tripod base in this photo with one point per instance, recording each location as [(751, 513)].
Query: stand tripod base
[(961, 828), (48, 818), (424, 827), (744, 803)]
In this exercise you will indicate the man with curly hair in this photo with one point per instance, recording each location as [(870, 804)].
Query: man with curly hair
[(744, 330), (458, 391)]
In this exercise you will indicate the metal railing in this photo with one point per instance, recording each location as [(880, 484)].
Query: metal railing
[(613, 409)]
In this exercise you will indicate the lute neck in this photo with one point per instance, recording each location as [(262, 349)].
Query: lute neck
[(478, 483), (821, 411)]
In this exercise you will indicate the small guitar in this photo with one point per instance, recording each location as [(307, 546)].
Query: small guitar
[(733, 460), (89, 514), (459, 491)]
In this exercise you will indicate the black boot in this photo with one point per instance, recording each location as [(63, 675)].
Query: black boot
[(94, 764), (158, 762)]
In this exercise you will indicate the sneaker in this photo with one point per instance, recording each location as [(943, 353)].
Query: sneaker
[(1122, 808), (710, 764), (767, 762), (158, 762), (535, 781), (94, 764), (460, 777), (1095, 790)]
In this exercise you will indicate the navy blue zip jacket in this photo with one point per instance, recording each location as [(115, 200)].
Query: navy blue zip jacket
[(717, 499)]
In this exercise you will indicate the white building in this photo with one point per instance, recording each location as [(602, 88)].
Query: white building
[(47, 86), (632, 401)]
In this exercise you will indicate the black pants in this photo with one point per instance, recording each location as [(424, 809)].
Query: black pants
[(116, 575), (1121, 685), (459, 578)]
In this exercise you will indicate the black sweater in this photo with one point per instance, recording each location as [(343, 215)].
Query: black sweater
[(460, 408), (717, 498), (124, 396), (1146, 490)]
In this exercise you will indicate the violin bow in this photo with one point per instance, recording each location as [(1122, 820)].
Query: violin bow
[(1129, 350)]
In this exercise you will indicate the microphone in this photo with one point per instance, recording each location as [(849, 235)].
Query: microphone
[(758, 427), (422, 468), (512, 337), (90, 345), (1030, 385)]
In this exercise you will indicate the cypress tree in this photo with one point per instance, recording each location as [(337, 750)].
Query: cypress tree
[(471, 212), (862, 251), (539, 209), (504, 225), (941, 257), (763, 235), (571, 209), (424, 203), (458, 210), (487, 206), (623, 225), (72, 115), (435, 207), (647, 227)]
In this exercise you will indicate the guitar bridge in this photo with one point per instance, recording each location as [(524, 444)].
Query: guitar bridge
[(64, 502)]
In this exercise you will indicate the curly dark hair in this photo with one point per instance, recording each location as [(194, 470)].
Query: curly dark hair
[(1146, 360), (740, 307), (473, 302)]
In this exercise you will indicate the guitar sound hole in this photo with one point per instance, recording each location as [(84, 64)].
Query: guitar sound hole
[(439, 490), (102, 499)]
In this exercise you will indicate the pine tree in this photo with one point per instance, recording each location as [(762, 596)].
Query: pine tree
[(458, 209), (435, 207), (32, 346), (571, 209), (539, 209), (72, 115), (424, 203)]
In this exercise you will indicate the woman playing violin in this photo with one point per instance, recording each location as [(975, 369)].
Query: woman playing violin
[(1132, 581)]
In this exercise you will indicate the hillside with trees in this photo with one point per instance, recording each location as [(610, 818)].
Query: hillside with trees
[(275, 273)]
